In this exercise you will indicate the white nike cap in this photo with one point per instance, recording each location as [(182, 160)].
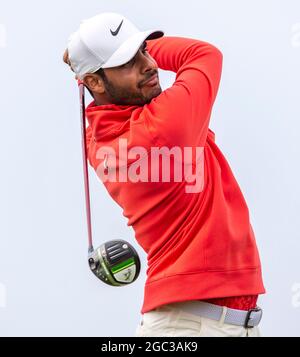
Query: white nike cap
[(104, 41)]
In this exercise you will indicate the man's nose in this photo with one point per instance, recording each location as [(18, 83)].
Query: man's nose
[(149, 64)]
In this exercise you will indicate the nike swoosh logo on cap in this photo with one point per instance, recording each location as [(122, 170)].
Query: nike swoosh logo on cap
[(114, 33)]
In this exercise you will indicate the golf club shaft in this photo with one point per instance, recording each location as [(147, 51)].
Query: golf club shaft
[(85, 166)]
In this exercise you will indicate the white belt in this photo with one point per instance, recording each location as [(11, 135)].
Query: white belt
[(248, 319)]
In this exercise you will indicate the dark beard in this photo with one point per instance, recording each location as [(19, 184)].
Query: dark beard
[(121, 96)]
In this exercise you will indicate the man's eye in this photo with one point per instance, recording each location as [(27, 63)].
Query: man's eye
[(128, 63), (131, 62)]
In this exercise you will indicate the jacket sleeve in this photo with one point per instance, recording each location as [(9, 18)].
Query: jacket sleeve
[(180, 115)]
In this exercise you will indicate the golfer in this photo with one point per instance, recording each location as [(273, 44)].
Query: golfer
[(204, 272)]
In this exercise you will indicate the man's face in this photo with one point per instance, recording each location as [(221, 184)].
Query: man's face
[(127, 84)]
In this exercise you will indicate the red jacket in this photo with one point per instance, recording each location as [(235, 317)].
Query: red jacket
[(200, 245)]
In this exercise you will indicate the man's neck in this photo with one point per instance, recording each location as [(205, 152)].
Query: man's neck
[(101, 99)]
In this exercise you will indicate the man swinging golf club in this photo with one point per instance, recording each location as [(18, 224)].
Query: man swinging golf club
[(204, 273)]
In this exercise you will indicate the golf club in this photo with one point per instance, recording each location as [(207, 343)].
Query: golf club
[(115, 262)]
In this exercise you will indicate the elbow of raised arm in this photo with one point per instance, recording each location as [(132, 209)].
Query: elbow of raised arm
[(212, 53), (217, 53), (217, 56), (220, 55)]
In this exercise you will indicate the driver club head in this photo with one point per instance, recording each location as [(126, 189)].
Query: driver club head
[(115, 262)]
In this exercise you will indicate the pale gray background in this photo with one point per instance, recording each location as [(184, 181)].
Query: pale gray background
[(46, 287)]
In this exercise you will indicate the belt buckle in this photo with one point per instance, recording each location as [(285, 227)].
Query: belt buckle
[(248, 317)]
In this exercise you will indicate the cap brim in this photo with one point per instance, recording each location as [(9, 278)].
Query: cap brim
[(130, 47)]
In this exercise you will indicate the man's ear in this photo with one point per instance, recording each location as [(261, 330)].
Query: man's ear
[(94, 83)]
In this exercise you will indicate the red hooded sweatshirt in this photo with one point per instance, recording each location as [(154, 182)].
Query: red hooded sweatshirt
[(199, 245)]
